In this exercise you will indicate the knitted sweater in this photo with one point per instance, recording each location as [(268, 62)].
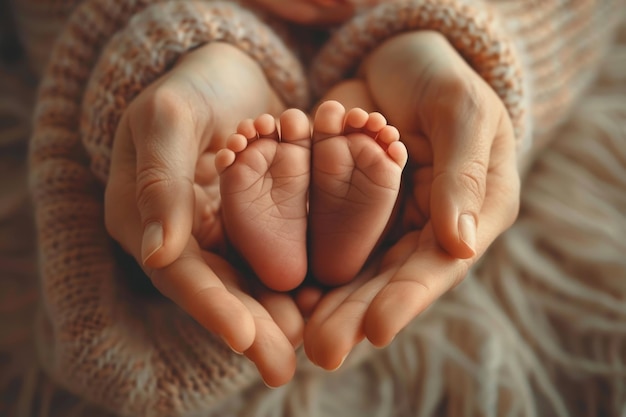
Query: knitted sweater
[(137, 354)]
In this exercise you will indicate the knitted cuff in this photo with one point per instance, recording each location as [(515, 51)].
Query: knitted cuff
[(563, 43), (133, 353), (475, 34), (154, 40)]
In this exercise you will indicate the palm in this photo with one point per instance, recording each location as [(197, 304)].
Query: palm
[(462, 161), (410, 272)]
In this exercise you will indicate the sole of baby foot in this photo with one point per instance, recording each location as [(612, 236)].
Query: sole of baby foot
[(357, 163), (264, 181)]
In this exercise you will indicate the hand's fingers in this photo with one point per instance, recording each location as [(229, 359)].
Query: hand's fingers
[(502, 198), (207, 288), (307, 298), (336, 325), (221, 306), (323, 309), (194, 283), (284, 311), (461, 131), (271, 352), (414, 273), (278, 325), (429, 272), (162, 131), (415, 284)]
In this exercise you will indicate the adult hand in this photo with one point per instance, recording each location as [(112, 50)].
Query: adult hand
[(162, 204), (462, 192)]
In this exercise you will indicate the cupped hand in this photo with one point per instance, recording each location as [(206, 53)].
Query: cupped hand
[(162, 201), (461, 192)]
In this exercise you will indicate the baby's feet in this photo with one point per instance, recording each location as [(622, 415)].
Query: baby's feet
[(264, 182), (356, 173)]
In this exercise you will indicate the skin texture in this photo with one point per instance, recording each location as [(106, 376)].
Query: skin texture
[(356, 174), (161, 200), (279, 176), (264, 181), (463, 161), (160, 175)]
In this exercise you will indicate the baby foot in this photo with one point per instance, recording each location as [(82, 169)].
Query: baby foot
[(356, 172), (264, 181)]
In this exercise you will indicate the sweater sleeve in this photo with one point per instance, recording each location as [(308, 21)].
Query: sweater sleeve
[(124, 348), (154, 39), (538, 55)]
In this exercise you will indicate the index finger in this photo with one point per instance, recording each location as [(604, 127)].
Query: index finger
[(188, 280), (195, 287), (430, 271), (415, 285)]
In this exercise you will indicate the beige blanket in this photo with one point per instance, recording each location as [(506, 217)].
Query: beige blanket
[(537, 329)]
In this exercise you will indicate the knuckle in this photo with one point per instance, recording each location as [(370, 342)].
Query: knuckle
[(460, 95), (179, 103), (162, 104), (473, 179), (473, 101), (164, 101), (152, 182)]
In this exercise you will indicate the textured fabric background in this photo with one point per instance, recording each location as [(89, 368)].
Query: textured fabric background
[(538, 329)]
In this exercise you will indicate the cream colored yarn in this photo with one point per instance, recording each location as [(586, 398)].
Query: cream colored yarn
[(133, 353), (536, 330), (539, 328)]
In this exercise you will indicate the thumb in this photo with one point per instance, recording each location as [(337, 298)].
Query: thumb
[(456, 200), (166, 156), (461, 152)]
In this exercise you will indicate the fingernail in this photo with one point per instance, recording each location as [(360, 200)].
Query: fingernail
[(152, 240), (231, 348), (340, 363), (268, 385), (467, 231)]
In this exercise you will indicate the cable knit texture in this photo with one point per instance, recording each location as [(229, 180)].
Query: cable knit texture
[(138, 354)]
